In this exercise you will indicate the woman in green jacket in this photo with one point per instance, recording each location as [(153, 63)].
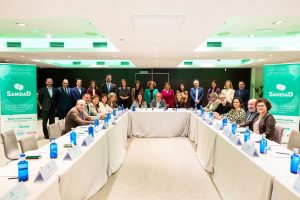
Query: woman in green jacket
[(149, 93)]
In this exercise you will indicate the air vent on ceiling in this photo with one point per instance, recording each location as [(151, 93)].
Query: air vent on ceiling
[(124, 63), (14, 44), (214, 44), (99, 44), (76, 63), (57, 44), (188, 63), (100, 63)]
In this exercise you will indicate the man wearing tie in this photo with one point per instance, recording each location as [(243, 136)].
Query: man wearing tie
[(78, 91), (196, 94), (87, 108), (108, 86), (64, 99), (47, 101), (251, 113), (242, 93)]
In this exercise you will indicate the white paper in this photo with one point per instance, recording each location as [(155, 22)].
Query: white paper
[(297, 184), (19, 192)]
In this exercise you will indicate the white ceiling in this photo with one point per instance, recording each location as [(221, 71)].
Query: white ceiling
[(156, 33)]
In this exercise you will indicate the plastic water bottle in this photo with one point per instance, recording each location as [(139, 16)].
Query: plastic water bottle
[(202, 113), (211, 117), (263, 144), (295, 161), (53, 149), (247, 134), (114, 112), (91, 130), (22, 169), (224, 122), (233, 128), (96, 122), (73, 137)]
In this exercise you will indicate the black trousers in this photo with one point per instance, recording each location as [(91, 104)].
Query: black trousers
[(48, 115), (62, 113)]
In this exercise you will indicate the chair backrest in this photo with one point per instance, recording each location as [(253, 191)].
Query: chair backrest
[(10, 144), (62, 126), (54, 130), (294, 140), (28, 143), (278, 133)]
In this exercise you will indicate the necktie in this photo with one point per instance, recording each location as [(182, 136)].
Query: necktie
[(88, 109), (249, 116), (81, 115), (66, 91)]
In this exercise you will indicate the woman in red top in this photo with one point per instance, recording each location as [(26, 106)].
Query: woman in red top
[(93, 89), (168, 95)]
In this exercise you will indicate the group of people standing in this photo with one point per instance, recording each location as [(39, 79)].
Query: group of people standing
[(97, 102)]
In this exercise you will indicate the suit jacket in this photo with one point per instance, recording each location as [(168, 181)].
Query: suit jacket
[(214, 104), (90, 91), (244, 95), (266, 125), (73, 119), (250, 115), (147, 96), (162, 104), (76, 95), (104, 89), (48, 103), (64, 101), (193, 95)]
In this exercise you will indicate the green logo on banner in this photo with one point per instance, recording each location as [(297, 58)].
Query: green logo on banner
[(281, 87), (18, 89)]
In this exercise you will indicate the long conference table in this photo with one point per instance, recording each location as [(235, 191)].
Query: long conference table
[(235, 174)]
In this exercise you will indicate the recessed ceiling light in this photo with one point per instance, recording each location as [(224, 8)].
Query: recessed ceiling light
[(6, 60), (156, 40), (251, 36), (197, 56), (234, 56), (264, 30), (156, 56), (49, 36), (22, 56), (69, 56), (114, 56), (278, 22), (21, 24), (270, 55)]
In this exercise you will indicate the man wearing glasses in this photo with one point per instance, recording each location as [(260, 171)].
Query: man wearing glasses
[(223, 108)]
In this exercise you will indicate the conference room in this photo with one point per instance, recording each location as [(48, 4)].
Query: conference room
[(150, 100)]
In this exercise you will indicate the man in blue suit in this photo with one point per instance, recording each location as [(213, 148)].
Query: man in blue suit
[(242, 93), (78, 91), (64, 99), (196, 94)]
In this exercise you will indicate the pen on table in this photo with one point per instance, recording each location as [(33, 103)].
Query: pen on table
[(14, 177), (282, 153)]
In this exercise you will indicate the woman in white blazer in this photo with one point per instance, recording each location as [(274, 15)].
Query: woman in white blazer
[(103, 105)]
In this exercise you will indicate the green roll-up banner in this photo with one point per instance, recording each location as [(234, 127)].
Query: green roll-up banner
[(18, 99), (282, 88)]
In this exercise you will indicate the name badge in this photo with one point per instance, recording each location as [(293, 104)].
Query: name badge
[(297, 184), (250, 149), (19, 192), (46, 172), (73, 153), (87, 141), (235, 139)]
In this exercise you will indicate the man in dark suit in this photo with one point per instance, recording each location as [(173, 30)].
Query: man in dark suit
[(64, 99), (242, 93), (108, 86), (196, 94), (47, 101), (78, 91)]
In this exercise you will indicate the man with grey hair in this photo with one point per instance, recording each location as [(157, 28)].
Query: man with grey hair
[(158, 102), (251, 113), (213, 102), (77, 116)]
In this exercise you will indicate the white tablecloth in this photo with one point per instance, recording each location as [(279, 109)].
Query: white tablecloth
[(193, 133), (283, 189), (205, 150), (159, 123)]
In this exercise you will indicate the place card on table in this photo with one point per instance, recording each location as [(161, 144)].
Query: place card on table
[(46, 172), (73, 153), (218, 126), (19, 192), (250, 149), (297, 184), (227, 131), (87, 141), (235, 139)]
